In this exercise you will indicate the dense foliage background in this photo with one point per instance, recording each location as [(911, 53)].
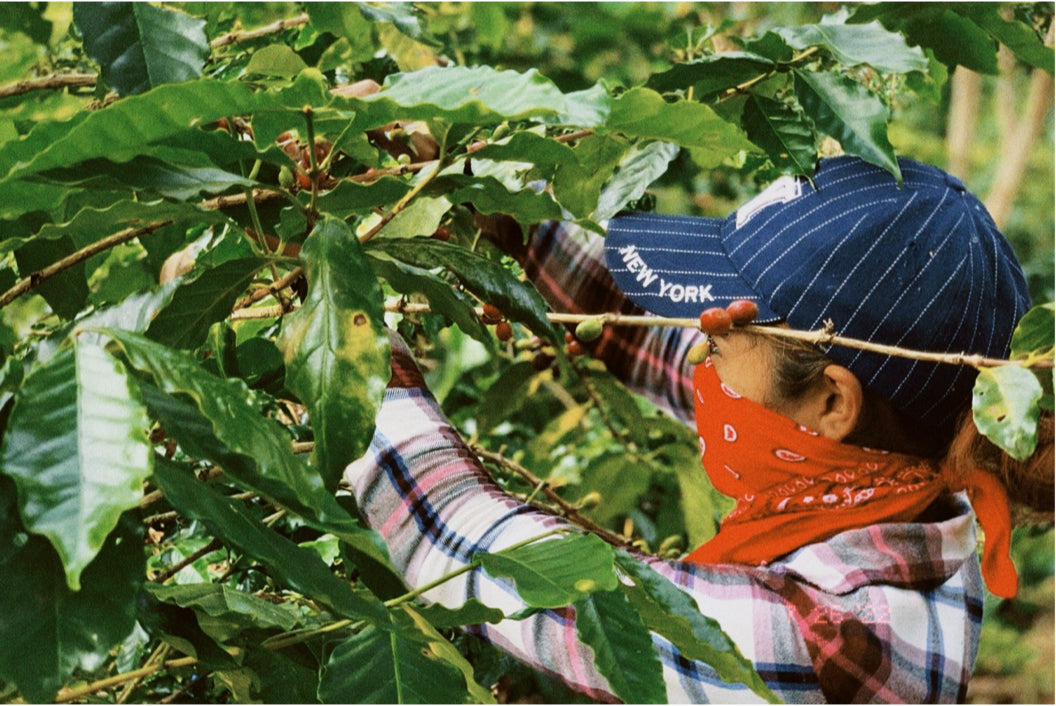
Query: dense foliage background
[(173, 436)]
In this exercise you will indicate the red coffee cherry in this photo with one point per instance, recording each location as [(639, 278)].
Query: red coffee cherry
[(742, 311), (715, 321), (574, 349), (491, 315), (503, 331)]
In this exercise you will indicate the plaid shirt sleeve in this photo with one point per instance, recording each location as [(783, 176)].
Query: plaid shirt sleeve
[(567, 266), (888, 613)]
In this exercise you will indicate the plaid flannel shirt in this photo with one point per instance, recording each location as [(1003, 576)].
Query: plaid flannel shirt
[(887, 613)]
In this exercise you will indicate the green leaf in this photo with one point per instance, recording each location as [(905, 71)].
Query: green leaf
[(955, 39), (1005, 408), (224, 612), (462, 95), (179, 627), (296, 567), (640, 166), (276, 60), (222, 425), (486, 279), (336, 349), (673, 614), (1017, 36), (411, 664), (67, 292), (712, 73), (350, 197), (28, 18), (1035, 331), (149, 175), (76, 447), (621, 479), (198, 304), (847, 111), (472, 612), (140, 46), (488, 195), (504, 396), (783, 132), (578, 185), (555, 573), (49, 631), (852, 45), (345, 21), (623, 649), (641, 112), (408, 279)]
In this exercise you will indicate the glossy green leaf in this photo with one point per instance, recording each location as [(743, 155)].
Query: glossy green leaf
[(179, 627), (477, 95), (784, 133), (27, 17), (149, 176), (140, 46), (623, 649), (847, 111), (296, 567), (49, 631), (488, 195), (472, 612), (712, 73), (223, 611), (1005, 408), (274, 677), (852, 45), (673, 614), (555, 573), (350, 197), (76, 447), (941, 27), (488, 280), (578, 185), (1035, 331), (638, 169), (220, 424), (408, 279), (336, 348), (412, 663), (201, 302), (345, 21), (641, 112), (1017, 36), (276, 60)]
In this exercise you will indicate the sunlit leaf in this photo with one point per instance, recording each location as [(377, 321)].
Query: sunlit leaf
[(1005, 408), (76, 447), (336, 349)]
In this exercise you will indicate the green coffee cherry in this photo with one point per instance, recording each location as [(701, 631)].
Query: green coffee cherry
[(286, 179), (589, 330), (404, 159), (500, 132)]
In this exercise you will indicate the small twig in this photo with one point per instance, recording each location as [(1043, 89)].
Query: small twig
[(34, 280), (156, 657), (820, 337), (67, 695), (568, 510), (742, 87), (187, 561), (43, 83), (401, 204), (277, 286), (573, 136), (245, 35)]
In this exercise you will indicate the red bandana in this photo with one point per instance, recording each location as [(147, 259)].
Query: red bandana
[(794, 487)]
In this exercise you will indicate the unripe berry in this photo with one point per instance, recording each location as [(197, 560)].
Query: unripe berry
[(286, 179), (715, 321), (742, 311), (590, 500), (589, 330)]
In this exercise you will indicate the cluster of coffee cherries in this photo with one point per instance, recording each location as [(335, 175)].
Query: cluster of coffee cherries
[(718, 321), (491, 315), (296, 150)]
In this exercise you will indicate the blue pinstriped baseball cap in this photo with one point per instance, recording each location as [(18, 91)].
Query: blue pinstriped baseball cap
[(921, 265)]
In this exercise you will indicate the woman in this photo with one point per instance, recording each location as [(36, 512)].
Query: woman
[(848, 569)]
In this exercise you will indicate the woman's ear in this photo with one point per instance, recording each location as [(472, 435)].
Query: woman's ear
[(838, 403)]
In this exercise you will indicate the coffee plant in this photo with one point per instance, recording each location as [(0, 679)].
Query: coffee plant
[(212, 212)]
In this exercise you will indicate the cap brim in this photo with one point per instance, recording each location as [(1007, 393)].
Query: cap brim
[(676, 265)]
